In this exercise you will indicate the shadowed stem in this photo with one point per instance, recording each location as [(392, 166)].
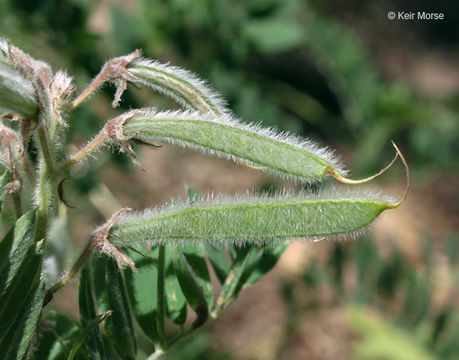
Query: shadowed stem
[(87, 149), (93, 86), (45, 186), (45, 149), (69, 275)]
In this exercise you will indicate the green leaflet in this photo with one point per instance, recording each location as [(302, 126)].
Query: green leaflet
[(247, 258), (218, 257), (57, 337), (17, 294), (98, 279), (293, 158), (175, 300), (119, 326), (17, 95), (194, 254), (90, 327), (271, 254), (15, 343), (21, 291), (191, 287), (88, 314), (161, 296), (142, 288), (181, 85), (13, 248), (255, 218)]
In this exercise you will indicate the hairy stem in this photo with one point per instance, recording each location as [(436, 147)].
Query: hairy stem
[(45, 150), (69, 275), (45, 188), (84, 152), (93, 86)]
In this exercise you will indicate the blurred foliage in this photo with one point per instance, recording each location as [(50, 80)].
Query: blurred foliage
[(394, 308)]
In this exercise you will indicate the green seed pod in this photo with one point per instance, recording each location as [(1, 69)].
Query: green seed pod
[(252, 219)]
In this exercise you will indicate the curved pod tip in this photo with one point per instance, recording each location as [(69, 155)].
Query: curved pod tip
[(398, 153)]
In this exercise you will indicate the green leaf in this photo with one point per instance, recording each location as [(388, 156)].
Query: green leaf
[(16, 298), (13, 248), (142, 288), (190, 286), (90, 327), (246, 260), (57, 336), (15, 343), (218, 257), (119, 326), (194, 254), (175, 300), (270, 257), (88, 314), (253, 219), (17, 95), (98, 279), (192, 195), (287, 156)]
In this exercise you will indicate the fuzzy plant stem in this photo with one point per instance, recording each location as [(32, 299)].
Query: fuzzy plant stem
[(93, 86), (45, 187), (69, 275), (83, 153)]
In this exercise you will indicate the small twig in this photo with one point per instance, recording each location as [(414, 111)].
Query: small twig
[(69, 275), (87, 149)]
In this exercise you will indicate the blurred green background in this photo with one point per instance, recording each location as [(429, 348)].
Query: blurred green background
[(340, 73)]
